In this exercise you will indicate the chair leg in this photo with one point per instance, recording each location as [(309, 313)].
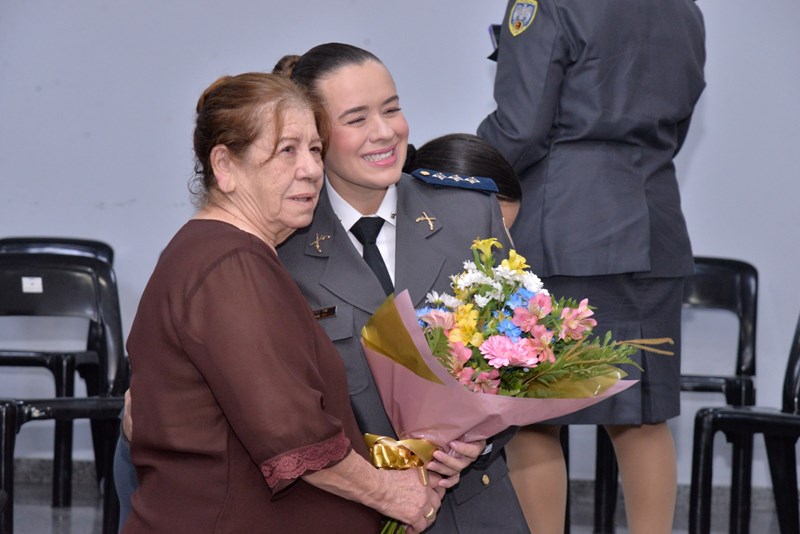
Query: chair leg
[(605, 483), (8, 437), (109, 489), (91, 376), (702, 458), (564, 437), (782, 463), (742, 467), (62, 454)]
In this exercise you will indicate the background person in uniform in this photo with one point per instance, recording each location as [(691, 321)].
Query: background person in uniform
[(594, 101), (425, 235), (243, 419)]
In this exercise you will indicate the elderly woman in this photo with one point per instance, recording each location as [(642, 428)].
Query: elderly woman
[(243, 420)]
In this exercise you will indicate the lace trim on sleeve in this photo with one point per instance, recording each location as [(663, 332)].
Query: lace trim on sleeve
[(295, 463)]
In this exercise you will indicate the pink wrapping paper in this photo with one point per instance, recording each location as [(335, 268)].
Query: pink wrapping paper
[(420, 408)]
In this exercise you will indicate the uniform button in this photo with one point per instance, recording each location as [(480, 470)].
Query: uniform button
[(485, 479)]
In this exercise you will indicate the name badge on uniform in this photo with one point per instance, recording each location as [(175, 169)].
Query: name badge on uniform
[(324, 313)]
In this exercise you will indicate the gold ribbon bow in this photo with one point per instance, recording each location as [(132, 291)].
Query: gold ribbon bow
[(389, 453)]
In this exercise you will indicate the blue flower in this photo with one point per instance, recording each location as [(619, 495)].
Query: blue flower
[(509, 329), (519, 299), (420, 312)]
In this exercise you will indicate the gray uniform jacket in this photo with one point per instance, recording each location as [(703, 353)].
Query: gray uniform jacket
[(336, 275), (593, 102)]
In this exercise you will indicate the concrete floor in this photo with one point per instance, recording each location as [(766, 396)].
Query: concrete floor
[(34, 515)]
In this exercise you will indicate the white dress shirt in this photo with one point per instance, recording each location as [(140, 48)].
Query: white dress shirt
[(387, 211)]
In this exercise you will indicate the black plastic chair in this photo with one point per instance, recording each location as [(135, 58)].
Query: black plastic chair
[(780, 428), (69, 246), (722, 284), (58, 245), (41, 284), (104, 411)]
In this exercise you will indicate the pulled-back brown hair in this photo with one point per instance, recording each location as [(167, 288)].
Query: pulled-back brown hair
[(235, 110), (320, 62)]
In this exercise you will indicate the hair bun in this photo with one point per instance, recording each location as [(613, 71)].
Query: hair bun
[(285, 66)]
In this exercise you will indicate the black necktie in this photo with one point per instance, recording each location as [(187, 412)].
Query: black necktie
[(366, 230)]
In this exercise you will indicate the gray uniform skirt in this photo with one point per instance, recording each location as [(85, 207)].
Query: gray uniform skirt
[(632, 308)]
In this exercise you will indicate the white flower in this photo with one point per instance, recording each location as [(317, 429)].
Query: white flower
[(433, 297), (504, 273), (469, 279), (482, 301), (450, 301), (445, 299), (531, 282)]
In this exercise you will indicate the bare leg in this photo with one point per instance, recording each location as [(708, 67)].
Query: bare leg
[(648, 469), (539, 475)]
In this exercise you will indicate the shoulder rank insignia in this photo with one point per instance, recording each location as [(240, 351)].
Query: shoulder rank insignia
[(522, 14), (443, 179)]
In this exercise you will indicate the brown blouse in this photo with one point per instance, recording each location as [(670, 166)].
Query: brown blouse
[(236, 392)]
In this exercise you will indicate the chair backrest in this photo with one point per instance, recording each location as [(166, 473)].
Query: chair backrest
[(791, 381), (732, 285), (59, 245), (42, 284)]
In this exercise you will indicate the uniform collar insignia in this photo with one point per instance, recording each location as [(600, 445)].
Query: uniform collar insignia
[(426, 218), (318, 240)]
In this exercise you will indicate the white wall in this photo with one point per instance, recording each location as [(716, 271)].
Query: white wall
[(96, 110)]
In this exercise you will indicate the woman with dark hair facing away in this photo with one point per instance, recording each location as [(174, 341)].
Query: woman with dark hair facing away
[(243, 419), (422, 236), (469, 155)]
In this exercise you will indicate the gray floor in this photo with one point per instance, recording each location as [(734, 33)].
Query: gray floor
[(34, 515)]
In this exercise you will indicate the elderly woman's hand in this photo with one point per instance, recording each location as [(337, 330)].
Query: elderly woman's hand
[(407, 500), (450, 465), (398, 494)]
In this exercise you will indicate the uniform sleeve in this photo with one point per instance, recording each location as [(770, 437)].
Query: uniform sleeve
[(254, 340), (530, 69)]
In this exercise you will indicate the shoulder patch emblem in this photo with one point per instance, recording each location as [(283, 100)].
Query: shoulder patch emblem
[(522, 14)]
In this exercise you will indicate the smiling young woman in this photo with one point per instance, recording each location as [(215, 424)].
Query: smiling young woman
[(369, 133), (424, 234)]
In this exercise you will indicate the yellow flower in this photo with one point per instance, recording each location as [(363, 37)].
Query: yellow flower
[(468, 338), (466, 325), (476, 340), (515, 262), (467, 317), (456, 335), (484, 246)]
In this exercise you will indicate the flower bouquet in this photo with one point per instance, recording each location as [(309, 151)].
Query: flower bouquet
[(499, 352)]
